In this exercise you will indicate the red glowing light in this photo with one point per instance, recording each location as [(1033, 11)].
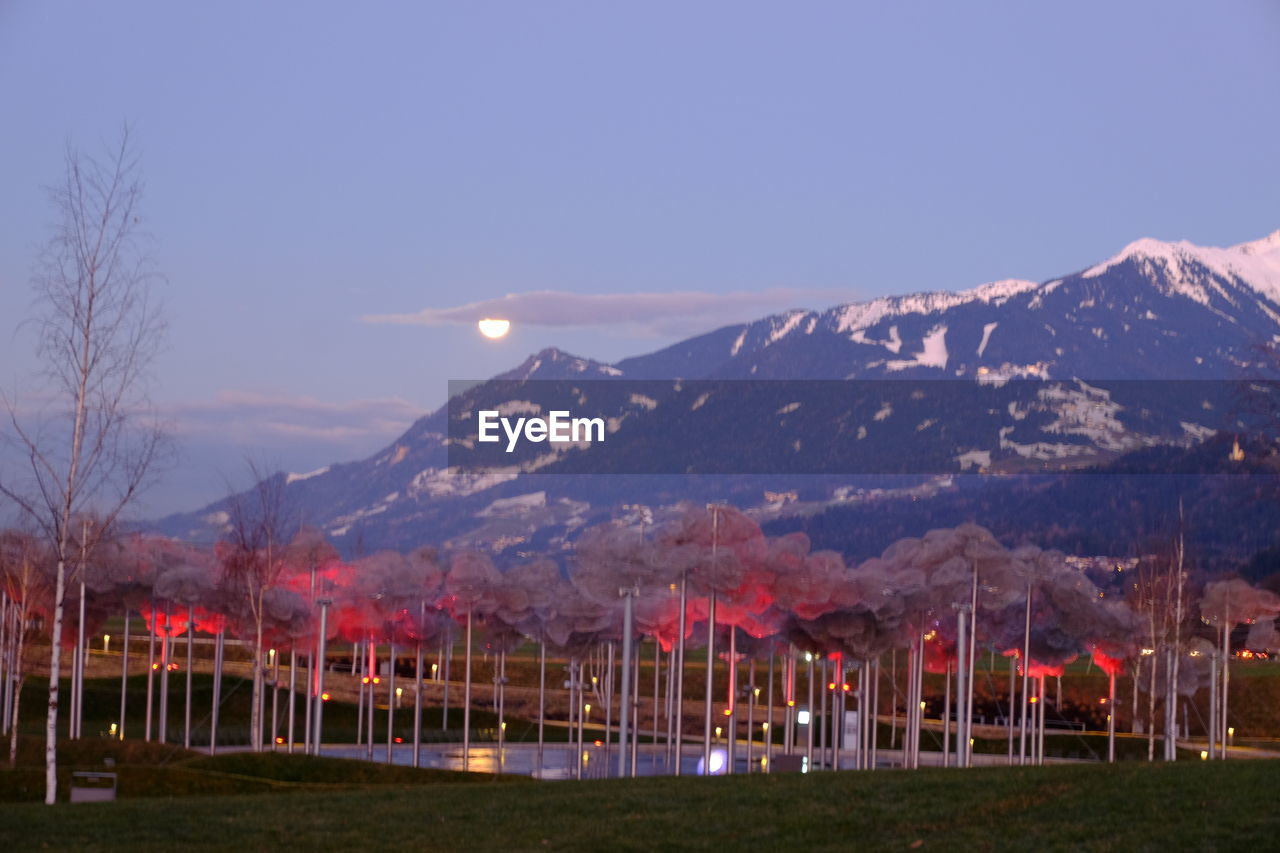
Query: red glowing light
[(279, 740), (599, 743), (324, 697), (399, 740)]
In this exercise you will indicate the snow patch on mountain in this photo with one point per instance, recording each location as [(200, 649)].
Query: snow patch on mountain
[(295, 478), (986, 337), (933, 351), (786, 326)]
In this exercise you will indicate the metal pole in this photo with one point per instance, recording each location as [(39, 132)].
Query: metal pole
[(466, 702), (809, 728), (293, 693), (628, 601), (417, 693), (218, 651), (768, 731), (679, 706), (78, 698), (710, 696), (635, 711), (444, 672), (962, 649), (1111, 719), (946, 717), (1026, 665), (391, 702), (973, 673), (165, 648), (124, 673), (373, 674), (1009, 717), (751, 711), (318, 665), (191, 630), (542, 700), (733, 701)]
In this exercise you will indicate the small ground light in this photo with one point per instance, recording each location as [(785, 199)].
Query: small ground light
[(377, 680), (399, 740), (324, 697), (106, 642), (718, 730), (728, 712), (1204, 755), (764, 727), (504, 726), (114, 729), (802, 718), (586, 708), (279, 740), (922, 704)]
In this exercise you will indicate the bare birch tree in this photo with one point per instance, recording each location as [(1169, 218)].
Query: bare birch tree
[(92, 446), (253, 554)]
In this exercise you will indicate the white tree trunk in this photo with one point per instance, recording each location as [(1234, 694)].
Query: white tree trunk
[(55, 661)]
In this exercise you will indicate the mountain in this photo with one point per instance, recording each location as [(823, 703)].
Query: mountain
[(1073, 371)]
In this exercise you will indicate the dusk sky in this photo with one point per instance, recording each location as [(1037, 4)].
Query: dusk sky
[(314, 170)]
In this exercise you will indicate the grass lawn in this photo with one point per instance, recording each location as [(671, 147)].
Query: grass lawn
[(1191, 805)]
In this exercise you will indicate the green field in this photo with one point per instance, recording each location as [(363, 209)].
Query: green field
[(1190, 805)]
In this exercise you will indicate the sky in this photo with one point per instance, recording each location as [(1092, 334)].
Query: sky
[(336, 190)]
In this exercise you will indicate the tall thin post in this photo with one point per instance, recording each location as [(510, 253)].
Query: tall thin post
[(78, 682), (679, 700), (218, 651), (768, 726), (391, 703), (1111, 719), (318, 665), (628, 602), (293, 695), (751, 711), (733, 701), (542, 700), (417, 691), (191, 630), (124, 674), (151, 670), (466, 702), (809, 728), (1026, 665), (1009, 717), (946, 717)]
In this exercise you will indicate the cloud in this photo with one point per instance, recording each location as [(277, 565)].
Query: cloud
[(643, 314), (252, 417)]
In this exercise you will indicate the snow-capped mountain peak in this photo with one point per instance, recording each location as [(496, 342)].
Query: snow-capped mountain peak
[(1188, 269)]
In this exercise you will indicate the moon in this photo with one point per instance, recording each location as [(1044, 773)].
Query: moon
[(493, 328)]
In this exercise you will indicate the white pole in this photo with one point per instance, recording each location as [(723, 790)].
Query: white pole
[(628, 601), (679, 700), (466, 702), (191, 629), (124, 672), (318, 665)]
